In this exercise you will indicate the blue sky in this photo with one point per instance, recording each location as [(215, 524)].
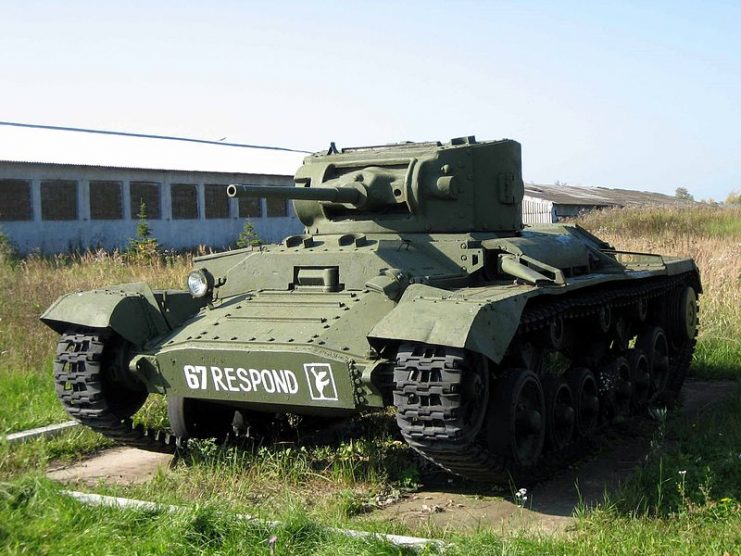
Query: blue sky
[(642, 95)]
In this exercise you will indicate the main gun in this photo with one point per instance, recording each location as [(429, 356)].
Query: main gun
[(343, 195)]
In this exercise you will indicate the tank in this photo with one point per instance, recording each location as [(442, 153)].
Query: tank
[(415, 285)]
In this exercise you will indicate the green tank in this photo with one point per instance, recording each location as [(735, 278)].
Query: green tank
[(414, 285)]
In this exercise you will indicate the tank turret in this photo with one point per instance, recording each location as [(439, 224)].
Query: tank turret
[(461, 186)]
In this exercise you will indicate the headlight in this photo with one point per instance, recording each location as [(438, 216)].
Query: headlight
[(200, 283)]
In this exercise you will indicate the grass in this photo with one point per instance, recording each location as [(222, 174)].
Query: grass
[(35, 514), (26, 345), (36, 455), (661, 511)]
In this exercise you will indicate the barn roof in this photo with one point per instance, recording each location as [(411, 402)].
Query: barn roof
[(53, 146), (595, 196)]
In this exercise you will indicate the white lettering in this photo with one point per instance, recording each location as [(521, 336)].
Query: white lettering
[(218, 377), (279, 377), (267, 377), (292, 382), (229, 372), (255, 378), (201, 369), (229, 379), (190, 377), (244, 380)]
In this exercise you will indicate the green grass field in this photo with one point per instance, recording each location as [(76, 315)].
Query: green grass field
[(685, 499)]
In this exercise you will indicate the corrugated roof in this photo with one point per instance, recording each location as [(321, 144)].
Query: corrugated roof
[(600, 196), (85, 149)]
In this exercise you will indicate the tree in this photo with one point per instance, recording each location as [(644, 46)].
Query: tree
[(682, 194), (248, 237), (144, 245), (734, 198)]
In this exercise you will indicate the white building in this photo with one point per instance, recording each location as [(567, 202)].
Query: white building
[(62, 190), (544, 204)]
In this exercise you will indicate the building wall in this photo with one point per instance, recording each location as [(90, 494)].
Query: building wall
[(564, 211), (537, 211), (67, 207)]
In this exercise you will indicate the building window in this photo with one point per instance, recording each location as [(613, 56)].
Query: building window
[(16, 200), (250, 207), (105, 200), (217, 203), (147, 192), (184, 201), (59, 200), (277, 207)]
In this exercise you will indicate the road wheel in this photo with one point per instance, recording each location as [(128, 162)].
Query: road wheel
[(640, 373), (652, 341), (560, 414), (194, 418), (615, 387), (516, 422), (586, 401)]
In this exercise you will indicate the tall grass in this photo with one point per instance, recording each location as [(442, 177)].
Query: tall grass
[(29, 286)]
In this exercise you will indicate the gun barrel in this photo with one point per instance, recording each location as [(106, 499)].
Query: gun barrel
[(329, 194)]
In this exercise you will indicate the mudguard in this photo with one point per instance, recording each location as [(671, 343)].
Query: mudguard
[(434, 316), (131, 310)]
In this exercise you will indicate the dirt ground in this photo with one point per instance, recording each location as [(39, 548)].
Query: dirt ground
[(117, 466), (549, 507)]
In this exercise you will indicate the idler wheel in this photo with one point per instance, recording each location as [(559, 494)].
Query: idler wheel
[(586, 400), (194, 418), (652, 341), (683, 315), (517, 418), (640, 373), (560, 413), (616, 387)]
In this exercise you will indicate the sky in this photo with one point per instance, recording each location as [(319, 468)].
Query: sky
[(640, 95)]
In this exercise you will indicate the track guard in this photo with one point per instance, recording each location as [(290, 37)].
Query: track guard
[(431, 316), (130, 310)]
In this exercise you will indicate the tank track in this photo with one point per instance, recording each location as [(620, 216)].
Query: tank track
[(80, 388), (434, 429), (431, 427)]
